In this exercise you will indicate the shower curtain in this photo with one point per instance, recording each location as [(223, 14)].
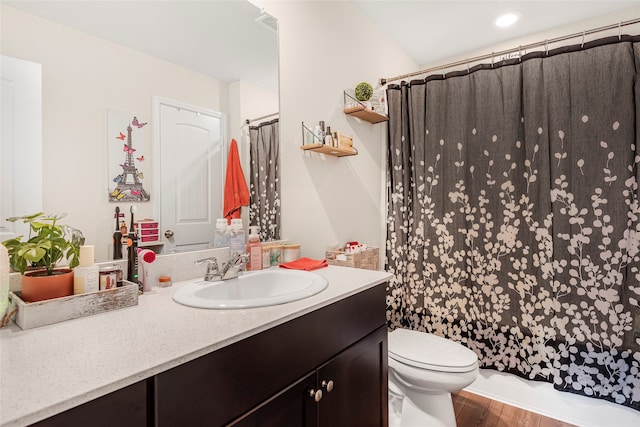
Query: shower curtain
[(264, 181), (514, 215)]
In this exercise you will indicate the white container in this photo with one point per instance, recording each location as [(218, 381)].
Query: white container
[(290, 252), (86, 277), (236, 237), (221, 236)]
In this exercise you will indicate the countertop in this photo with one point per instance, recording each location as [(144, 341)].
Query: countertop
[(47, 370)]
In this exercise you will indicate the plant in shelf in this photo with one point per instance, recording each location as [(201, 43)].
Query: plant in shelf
[(49, 243), (364, 91)]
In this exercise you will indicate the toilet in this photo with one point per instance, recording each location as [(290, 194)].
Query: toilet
[(424, 369)]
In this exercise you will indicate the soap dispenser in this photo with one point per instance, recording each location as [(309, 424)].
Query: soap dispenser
[(254, 249)]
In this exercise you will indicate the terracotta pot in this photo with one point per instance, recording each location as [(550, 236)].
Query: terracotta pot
[(37, 286)]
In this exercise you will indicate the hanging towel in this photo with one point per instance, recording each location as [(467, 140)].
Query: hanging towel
[(306, 264), (236, 192)]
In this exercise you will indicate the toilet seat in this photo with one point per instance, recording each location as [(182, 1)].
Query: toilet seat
[(427, 351)]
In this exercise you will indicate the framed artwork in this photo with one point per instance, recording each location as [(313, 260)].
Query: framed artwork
[(128, 141)]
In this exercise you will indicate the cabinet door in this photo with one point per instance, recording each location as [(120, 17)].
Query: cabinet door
[(293, 407), (354, 385), (126, 407)]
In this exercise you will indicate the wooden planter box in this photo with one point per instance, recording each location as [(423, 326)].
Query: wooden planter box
[(34, 314)]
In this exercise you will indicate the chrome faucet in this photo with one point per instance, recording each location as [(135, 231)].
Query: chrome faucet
[(229, 270)]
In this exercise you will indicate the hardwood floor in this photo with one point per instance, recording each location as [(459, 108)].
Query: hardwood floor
[(473, 410)]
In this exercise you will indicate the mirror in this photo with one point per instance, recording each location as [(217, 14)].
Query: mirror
[(100, 56)]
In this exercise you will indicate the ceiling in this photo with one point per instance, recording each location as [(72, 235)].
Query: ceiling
[(218, 38), (222, 38), (433, 30)]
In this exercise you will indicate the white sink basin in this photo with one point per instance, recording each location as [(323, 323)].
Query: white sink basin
[(254, 289)]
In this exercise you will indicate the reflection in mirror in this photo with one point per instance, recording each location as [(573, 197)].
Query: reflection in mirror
[(98, 56)]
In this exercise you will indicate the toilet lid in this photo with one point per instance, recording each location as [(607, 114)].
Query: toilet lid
[(428, 351)]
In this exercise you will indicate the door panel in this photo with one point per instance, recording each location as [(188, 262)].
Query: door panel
[(358, 395), (293, 407), (192, 163)]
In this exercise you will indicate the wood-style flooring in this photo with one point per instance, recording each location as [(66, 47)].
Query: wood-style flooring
[(473, 410)]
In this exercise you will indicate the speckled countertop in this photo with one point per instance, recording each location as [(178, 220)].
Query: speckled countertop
[(47, 370)]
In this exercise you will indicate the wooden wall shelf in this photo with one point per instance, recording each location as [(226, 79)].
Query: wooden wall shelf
[(332, 151), (361, 112)]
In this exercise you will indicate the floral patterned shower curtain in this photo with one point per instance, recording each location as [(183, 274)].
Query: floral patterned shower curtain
[(514, 215), (264, 181)]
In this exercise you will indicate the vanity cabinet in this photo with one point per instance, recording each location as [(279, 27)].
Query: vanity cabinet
[(126, 407), (346, 391), (276, 374)]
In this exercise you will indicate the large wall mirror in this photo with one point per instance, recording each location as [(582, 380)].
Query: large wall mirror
[(99, 59)]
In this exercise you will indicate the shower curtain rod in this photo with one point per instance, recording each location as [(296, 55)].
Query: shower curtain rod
[(262, 117), (619, 25)]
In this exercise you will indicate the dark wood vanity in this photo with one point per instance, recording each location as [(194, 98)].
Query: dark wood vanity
[(325, 368)]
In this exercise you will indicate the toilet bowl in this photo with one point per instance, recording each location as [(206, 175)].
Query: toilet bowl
[(424, 369)]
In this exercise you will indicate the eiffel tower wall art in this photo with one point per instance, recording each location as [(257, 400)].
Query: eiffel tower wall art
[(128, 142)]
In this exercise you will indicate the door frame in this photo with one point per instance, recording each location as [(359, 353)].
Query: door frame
[(156, 103)]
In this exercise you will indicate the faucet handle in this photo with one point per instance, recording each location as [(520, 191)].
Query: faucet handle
[(209, 260)]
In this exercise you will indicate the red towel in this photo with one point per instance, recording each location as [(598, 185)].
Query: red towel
[(236, 192), (306, 264)]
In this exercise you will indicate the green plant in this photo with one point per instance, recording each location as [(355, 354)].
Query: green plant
[(364, 91), (49, 242)]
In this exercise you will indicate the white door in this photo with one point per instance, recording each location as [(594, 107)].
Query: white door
[(192, 157), (20, 143)]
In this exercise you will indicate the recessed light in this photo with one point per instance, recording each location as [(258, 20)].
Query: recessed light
[(507, 19)]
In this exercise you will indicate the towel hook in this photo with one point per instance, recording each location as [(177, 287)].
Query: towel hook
[(582, 45)]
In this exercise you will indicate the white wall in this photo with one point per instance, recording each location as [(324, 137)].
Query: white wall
[(326, 47), (83, 77), (248, 101)]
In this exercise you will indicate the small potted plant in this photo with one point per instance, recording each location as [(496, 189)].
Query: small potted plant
[(364, 92), (36, 258)]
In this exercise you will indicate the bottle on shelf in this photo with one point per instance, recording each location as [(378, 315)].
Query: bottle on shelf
[(254, 249), (328, 138)]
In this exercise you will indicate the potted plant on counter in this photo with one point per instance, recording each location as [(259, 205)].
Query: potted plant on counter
[(36, 258)]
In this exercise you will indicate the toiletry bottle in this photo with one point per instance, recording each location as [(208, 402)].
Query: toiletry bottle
[(236, 237), (328, 138), (254, 249), (221, 236), (317, 131), (86, 275)]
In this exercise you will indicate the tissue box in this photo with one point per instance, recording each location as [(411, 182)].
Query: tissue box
[(367, 259)]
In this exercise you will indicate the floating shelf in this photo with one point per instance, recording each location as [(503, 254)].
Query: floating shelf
[(360, 111), (332, 151), (364, 113)]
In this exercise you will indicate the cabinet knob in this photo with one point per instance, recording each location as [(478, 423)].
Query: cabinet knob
[(316, 394), (327, 385)]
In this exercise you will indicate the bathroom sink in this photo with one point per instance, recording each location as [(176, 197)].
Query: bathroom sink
[(254, 289)]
